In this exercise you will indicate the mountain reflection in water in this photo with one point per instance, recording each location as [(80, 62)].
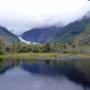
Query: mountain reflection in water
[(34, 77)]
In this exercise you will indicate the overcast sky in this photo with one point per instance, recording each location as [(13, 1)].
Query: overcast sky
[(21, 15)]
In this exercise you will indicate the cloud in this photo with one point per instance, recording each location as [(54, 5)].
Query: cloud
[(21, 15)]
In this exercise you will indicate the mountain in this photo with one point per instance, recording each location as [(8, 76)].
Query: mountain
[(84, 37), (40, 35), (6, 35), (78, 30)]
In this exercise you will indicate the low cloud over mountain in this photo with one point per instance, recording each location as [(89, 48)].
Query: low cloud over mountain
[(21, 15)]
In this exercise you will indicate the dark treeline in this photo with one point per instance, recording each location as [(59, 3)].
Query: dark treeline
[(18, 47)]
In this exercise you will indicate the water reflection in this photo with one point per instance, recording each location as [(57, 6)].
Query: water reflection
[(39, 75), (67, 70), (19, 79)]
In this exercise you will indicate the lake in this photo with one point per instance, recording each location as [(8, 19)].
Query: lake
[(43, 76)]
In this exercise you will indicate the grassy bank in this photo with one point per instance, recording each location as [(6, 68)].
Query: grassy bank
[(42, 55), (33, 55)]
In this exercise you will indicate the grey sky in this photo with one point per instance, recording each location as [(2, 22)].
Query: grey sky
[(21, 15)]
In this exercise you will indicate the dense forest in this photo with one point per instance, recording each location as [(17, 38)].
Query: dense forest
[(73, 47)]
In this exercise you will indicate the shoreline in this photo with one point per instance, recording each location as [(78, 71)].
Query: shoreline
[(50, 56)]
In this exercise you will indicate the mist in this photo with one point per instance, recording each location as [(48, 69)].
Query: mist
[(18, 79), (22, 15)]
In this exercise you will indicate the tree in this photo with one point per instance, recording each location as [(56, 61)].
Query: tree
[(47, 47), (16, 46), (2, 46)]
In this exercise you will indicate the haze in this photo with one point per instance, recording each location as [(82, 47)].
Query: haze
[(21, 15)]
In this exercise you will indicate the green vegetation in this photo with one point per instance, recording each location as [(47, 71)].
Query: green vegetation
[(49, 50), (38, 56), (31, 56)]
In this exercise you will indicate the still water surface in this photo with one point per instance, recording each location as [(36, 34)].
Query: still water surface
[(18, 78)]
